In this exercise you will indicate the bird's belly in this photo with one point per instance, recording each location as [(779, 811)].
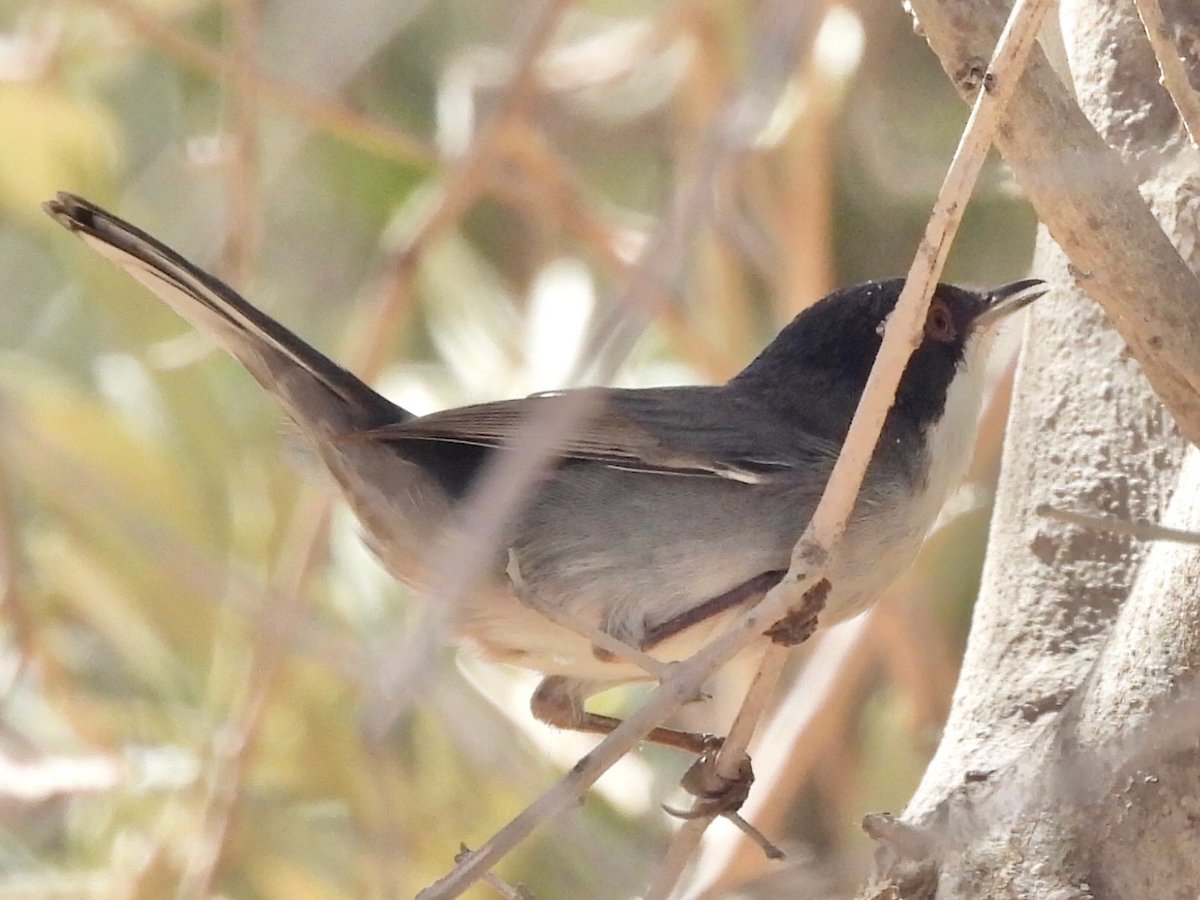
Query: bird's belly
[(866, 565), (876, 549)]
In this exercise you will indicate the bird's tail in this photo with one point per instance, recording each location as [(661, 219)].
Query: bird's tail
[(314, 390)]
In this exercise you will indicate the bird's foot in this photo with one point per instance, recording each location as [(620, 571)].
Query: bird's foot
[(719, 795), (716, 793)]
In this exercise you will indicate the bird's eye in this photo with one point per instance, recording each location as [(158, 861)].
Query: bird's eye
[(939, 324)]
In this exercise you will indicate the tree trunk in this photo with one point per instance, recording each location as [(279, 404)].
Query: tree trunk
[(1070, 764)]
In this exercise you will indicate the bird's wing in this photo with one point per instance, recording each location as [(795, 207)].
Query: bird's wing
[(676, 431)]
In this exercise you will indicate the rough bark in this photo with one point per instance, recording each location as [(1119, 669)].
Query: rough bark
[(1070, 766)]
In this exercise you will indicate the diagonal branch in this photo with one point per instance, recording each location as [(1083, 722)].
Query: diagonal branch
[(999, 83)]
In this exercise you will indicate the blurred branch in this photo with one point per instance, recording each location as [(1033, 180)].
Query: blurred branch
[(331, 115), (299, 555), (301, 547), (598, 637), (1174, 73), (69, 479), (243, 93), (544, 171), (795, 184), (12, 604), (557, 191), (914, 650), (715, 284), (801, 733)]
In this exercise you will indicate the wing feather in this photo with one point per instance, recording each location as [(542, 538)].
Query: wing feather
[(688, 431)]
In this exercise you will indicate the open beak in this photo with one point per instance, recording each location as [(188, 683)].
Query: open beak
[(1007, 299)]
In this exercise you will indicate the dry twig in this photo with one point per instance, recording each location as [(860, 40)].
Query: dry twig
[(1143, 531), (997, 86)]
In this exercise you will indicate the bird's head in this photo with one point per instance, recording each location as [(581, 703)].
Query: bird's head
[(832, 344)]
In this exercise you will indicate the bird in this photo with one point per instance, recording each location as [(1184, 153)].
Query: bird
[(665, 512)]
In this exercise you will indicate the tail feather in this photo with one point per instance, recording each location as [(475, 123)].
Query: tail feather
[(272, 353)]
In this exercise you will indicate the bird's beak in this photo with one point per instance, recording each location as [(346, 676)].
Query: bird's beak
[(1007, 299)]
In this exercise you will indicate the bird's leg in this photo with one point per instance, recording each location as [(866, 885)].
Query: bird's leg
[(558, 702), (746, 594), (716, 794)]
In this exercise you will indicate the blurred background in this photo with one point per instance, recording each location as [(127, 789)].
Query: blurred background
[(207, 686)]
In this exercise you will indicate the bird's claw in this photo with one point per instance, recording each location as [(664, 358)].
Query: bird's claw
[(718, 795), (715, 794)]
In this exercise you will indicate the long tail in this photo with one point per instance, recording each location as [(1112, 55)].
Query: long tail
[(314, 390)]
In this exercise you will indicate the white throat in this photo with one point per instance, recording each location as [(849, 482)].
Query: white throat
[(951, 439)]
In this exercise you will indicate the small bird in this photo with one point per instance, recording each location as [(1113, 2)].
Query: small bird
[(667, 511)]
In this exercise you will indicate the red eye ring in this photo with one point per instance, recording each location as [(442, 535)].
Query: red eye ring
[(939, 324)]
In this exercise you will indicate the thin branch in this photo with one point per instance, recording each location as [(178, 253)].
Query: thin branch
[(1174, 74), (900, 339), (232, 743), (243, 189), (800, 735), (72, 481), (12, 602), (502, 488), (556, 190), (1143, 531), (354, 126), (498, 884), (1089, 201)]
